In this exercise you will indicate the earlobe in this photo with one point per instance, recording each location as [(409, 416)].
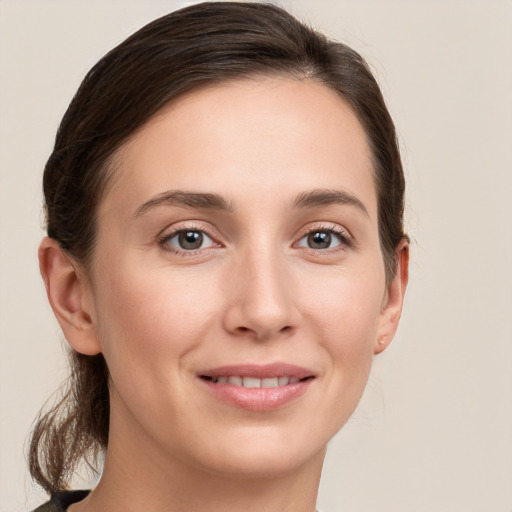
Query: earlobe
[(394, 298), (66, 289)]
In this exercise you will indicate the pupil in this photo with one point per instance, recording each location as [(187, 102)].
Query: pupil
[(319, 240), (190, 239)]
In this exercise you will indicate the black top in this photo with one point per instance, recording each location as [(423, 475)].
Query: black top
[(61, 501)]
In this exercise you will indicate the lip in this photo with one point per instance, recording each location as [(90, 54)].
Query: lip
[(260, 371), (258, 399)]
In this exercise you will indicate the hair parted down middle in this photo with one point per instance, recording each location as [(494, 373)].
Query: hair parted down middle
[(190, 48)]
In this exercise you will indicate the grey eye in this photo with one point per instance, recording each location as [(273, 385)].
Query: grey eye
[(321, 239), (189, 240)]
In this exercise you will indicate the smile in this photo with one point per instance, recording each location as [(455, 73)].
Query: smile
[(256, 387), (254, 382)]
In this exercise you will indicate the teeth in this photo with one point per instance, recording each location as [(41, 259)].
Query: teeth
[(270, 383), (253, 382)]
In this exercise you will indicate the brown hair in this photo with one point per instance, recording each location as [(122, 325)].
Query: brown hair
[(198, 45)]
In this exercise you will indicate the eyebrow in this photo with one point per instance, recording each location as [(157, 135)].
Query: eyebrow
[(327, 197), (187, 199), (312, 199)]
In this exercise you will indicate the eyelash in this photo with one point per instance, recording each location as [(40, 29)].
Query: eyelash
[(166, 238), (344, 238)]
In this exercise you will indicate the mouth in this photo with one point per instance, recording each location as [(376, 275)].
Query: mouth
[(254, 382), (258, 387)]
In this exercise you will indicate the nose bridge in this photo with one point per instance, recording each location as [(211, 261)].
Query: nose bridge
[(263, 303)]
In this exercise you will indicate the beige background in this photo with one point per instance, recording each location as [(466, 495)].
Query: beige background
[(434, 430)]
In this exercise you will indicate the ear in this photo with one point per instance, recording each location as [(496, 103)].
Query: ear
[(393, 299), (70, 297)]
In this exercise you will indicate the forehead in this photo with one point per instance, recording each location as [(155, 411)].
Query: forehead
[(240, 137)]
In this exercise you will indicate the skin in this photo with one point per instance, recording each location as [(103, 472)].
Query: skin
[(255, 292)]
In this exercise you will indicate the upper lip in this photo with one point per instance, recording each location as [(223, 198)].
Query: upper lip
[(259, 371)]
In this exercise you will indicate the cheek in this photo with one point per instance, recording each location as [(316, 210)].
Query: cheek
[(348, 336), (152, 315), (347, 306), (345, 314)]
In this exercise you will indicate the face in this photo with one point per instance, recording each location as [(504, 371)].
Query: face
[(237, 289)]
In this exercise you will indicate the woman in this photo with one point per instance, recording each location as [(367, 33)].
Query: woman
[(225, 255)]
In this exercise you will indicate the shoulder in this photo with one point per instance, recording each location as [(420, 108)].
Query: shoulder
[(61, 501)]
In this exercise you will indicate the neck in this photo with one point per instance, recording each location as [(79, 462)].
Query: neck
[(185, 489), (139, 477)]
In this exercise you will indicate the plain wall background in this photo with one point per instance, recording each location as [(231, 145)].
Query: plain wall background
[(434, 429)]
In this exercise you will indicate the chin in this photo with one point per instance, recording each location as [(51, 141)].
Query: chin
[(261, 467), (263, 455)]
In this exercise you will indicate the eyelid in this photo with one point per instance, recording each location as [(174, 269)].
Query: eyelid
[(206, 238), (346, 238), (171, 231)]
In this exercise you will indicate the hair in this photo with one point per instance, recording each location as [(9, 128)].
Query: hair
[(203, 44)]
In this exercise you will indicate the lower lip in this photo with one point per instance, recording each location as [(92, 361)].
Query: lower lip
[(258, 399)]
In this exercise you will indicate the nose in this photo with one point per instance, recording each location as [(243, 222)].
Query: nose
[(262, 299)]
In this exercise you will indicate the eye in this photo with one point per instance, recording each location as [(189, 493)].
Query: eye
[(323, 239), (188, 240)]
